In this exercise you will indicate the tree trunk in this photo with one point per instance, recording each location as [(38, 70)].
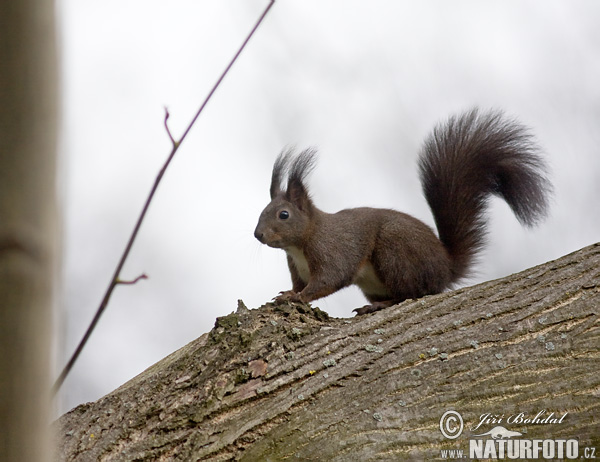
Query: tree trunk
[(28, 120), (289, 383)]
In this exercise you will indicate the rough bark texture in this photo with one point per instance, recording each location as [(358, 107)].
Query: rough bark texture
[(290, 383), (28, 121)]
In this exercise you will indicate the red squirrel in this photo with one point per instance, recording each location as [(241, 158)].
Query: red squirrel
[(392, 256)]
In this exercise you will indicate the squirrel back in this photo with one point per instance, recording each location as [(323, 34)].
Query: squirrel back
[(393, 256)]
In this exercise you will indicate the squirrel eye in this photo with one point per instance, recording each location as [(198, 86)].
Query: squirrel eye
[(284, 215)]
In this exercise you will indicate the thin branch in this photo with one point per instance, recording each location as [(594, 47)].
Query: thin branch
[(133, 281), (173, 142), (115, 279)]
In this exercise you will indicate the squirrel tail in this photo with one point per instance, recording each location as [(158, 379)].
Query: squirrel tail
[(469, 158)]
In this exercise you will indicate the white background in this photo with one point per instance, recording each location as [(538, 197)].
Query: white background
[(363, 81)]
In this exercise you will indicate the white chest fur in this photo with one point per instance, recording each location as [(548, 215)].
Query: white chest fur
[(300, 262)]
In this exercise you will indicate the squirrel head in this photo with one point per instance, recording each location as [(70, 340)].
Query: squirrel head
[(285, 222)]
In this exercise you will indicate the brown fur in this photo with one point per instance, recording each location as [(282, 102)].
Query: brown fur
[(390, 255)]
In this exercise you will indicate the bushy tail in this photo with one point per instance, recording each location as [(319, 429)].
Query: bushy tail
[(470, 157)]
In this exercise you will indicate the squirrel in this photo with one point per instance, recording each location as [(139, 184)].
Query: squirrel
[(392, 256)]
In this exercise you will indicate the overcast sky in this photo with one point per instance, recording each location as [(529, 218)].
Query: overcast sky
[(364, 82)]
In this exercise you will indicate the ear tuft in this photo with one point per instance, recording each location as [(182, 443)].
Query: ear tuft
[(280, 169), (299, 169), (302, 166), (296, 168)]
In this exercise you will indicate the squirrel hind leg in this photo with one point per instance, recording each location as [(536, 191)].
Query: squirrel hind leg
[(375, 306)]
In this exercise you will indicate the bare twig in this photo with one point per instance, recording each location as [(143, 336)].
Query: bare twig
[(115, 279), (133, 281), (167, 127)]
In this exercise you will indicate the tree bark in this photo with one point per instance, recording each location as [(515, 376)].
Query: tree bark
[(289, 383), (28, 122)]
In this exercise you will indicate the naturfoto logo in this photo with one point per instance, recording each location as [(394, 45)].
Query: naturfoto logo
[(499, 442)]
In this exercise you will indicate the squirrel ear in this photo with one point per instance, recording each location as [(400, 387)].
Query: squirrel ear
[(279, 169), (297, 193)]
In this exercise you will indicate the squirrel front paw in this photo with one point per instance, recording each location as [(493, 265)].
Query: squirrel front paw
[(287, 296)]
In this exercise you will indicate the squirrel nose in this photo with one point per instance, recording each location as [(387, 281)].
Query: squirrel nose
[(259, 235)]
